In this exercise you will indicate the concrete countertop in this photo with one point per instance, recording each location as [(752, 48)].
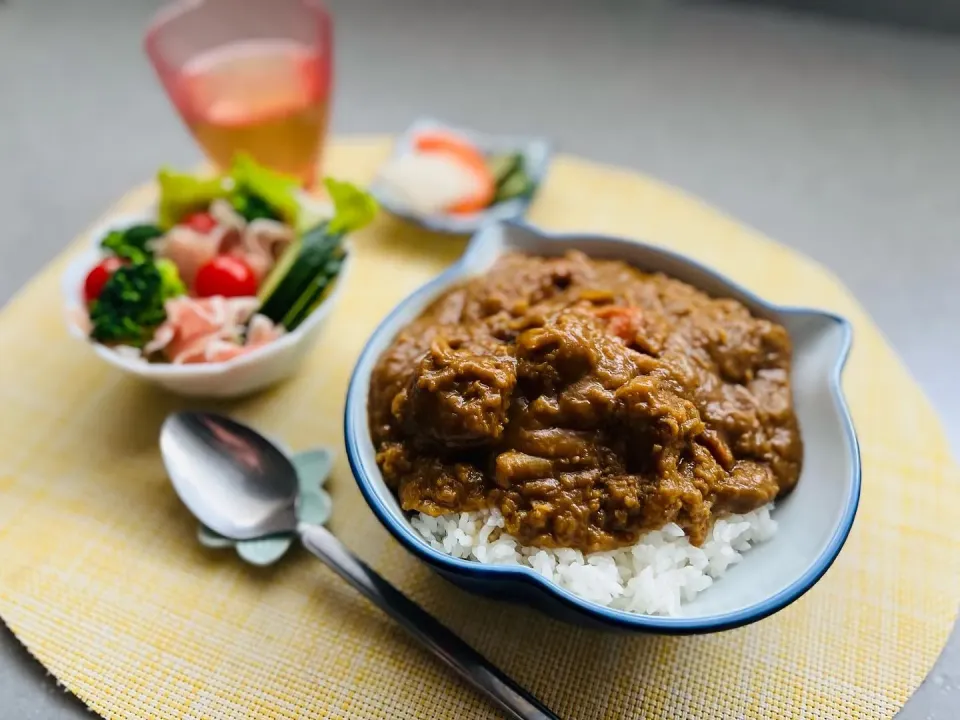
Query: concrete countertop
[(837, 139)]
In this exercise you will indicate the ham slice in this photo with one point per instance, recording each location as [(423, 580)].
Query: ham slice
[(190, 250), (259, 245), (211, 329), (224, 214)]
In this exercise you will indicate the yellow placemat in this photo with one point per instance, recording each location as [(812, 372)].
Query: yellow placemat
[(102, 579)]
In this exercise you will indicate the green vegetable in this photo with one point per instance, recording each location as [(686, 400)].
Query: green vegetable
[(252, 207), (130, 305), (316, 292), (305, 277), (262, 193), (281, 268), (170, 283), (301, 279), (512, 179), (131, 243), (254, 191), (502, 165), (352, 207), (182, 194)]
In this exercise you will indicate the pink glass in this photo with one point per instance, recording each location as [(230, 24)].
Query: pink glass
[(249, 75)]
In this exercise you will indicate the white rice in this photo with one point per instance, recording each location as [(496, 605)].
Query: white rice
[(654, 577)]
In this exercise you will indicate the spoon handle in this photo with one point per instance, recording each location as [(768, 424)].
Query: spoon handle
[(471, 665)]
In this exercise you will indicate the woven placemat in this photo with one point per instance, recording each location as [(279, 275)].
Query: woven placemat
[(102, 579)]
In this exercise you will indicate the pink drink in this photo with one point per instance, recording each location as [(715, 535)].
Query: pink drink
[(252, 81)]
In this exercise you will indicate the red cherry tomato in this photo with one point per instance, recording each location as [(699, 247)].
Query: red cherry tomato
[(98, 277), (225, 275), (202, 222)]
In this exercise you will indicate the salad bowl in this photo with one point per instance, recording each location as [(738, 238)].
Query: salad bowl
[(256, 370), (222, 287), (814, 519)]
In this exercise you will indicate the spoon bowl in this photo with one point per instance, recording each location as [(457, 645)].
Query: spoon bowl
[(234, 480)]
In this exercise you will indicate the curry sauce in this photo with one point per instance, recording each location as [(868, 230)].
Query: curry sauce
[(588, 401)]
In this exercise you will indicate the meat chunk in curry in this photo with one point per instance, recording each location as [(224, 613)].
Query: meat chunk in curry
[(588, 402)]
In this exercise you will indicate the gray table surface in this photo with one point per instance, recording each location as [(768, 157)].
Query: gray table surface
[(834, 138)]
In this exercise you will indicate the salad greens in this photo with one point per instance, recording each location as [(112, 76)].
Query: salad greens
[(253, 191), (131, 243), (259, 192), (182, 194), (130, 305), (300, 280), (352, 207)]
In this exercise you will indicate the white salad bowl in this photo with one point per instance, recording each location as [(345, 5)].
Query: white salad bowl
[(814, 519), (242, 375)]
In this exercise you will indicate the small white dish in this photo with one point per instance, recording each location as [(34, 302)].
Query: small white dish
[(243, 375), (536, 153)]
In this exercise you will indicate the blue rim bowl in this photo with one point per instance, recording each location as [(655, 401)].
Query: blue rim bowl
[(814, 520)]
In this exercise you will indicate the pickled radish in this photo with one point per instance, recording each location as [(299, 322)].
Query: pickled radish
[(443, 173), (434, 182), (471, 159)]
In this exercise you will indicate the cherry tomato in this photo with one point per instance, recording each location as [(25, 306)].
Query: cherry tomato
[(202, 222), (98, 277), (225, 275)]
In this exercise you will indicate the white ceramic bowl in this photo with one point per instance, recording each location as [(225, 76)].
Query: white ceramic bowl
[(814, 520), (243, 375)]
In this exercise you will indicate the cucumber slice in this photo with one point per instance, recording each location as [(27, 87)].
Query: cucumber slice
[(316, 293), (506, 167), (320, 274), (502, 166), (516, 185), (291, 285), (293, 289), (512, 180), (280, 270)]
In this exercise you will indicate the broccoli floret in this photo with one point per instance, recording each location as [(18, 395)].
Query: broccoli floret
[(130, 305), (132, 243), (170, 283)]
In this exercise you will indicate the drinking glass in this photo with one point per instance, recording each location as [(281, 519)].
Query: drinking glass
[(249, 75)]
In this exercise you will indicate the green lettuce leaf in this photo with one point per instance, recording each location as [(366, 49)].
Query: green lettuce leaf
[(183, 193), (277, 191), (253, 190), (353, 208)]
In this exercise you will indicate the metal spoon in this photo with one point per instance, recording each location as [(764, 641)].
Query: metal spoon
[(240, 485)]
